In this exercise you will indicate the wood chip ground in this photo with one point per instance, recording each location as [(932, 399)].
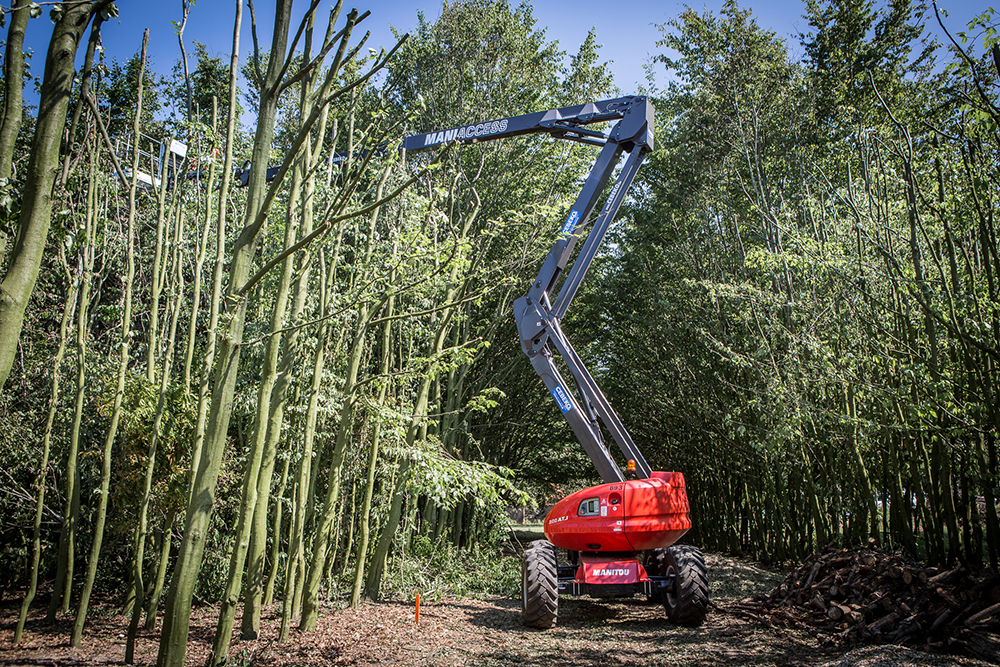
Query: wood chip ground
[(487, 632)]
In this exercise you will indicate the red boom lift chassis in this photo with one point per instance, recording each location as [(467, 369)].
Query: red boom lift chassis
[(619, 537)]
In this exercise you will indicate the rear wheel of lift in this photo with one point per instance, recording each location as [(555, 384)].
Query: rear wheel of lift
[(686, 599), (539, 588)]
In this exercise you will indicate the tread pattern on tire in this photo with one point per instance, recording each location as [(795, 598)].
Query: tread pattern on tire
[(540, 586), (544, 544), (690, 593)]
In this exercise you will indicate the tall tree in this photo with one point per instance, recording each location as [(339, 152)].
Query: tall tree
[(36, 209), (124, 347), (10, 115), (271, 83), (852, 40), (36, 538)]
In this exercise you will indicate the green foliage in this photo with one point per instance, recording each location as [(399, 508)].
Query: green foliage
[(494, 60), (447, 480), (780, 318), (10, 204), (797, 309), (139, 406), (117, 93), (852, 44), (483, 60), (18, 461), (209, 77), (436, 570)]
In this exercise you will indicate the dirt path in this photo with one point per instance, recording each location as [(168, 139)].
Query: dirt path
[(462, 631)]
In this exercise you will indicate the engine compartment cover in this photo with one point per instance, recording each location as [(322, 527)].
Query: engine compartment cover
[(634, 515)]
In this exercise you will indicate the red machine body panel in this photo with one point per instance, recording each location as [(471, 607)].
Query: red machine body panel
[(634, 515), (598, 569), (657, 511)]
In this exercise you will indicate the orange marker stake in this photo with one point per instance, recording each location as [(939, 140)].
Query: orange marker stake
[(418, 609)]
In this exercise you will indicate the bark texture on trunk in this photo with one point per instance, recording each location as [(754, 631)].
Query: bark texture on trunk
[(36, 206)]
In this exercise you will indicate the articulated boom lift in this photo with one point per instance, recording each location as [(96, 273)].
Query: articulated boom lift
[(617, 535)]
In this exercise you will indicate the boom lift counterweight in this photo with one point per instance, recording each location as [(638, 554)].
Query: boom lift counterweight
[(618, 535)]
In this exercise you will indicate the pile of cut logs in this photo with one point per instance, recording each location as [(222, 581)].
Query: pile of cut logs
[(864, 595)]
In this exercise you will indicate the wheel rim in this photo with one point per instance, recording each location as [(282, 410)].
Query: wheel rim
[(670, 593)]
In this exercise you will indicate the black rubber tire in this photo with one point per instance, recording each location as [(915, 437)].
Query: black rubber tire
[(686, 601), (539, 588), (544, 544)]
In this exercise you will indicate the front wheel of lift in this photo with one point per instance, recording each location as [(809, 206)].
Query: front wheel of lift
[(539, 588), (543, 544), (686, 598)]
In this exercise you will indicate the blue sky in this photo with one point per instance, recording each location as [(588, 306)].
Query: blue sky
[(625, 28)]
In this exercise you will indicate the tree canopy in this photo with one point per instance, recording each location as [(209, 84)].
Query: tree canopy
[(238, 384)]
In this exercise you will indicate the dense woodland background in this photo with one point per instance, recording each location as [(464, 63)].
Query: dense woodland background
[(313, 387)]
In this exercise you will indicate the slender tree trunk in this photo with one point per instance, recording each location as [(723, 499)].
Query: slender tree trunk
[(177, 617), (295, 572), (305, 479), (199, 264), (10, 123), (185, 10), (293, 567), (67, 535), (176, 304), (36, 206), (166, 538), (349, 541), (364, 528), (864, 479), (279, 507), (310, 603), (62, 589), (158, 274), (126, 329), (374, 580), (327, 283), (275, 412), (259, 470), (43, 466), (62, 594), (81, 102), (174, 635), (290, 342), (13, 73), (218, 270)]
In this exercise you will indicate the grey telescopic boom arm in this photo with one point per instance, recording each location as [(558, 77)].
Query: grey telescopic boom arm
[(539, 313)]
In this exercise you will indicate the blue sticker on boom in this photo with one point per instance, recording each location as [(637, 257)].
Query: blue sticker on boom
[(570, 223), (562, 399)]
